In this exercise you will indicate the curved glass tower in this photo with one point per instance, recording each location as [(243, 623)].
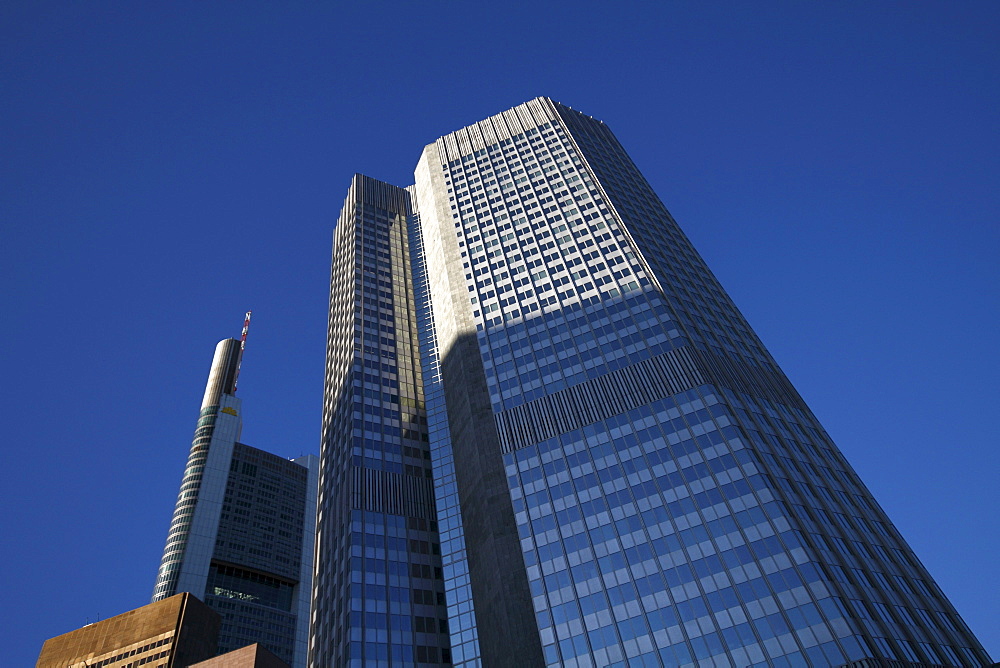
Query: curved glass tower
[(243, 528), (219, 410)]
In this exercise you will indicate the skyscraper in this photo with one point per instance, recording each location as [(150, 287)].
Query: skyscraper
[(378, 584), (621, 474), (243, 529)]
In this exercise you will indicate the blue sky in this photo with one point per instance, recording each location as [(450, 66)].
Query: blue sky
[(167, 166)]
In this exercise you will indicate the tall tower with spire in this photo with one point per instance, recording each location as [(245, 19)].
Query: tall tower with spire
[(243, 527)]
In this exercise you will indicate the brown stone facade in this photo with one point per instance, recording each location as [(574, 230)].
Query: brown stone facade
[(173, 633), (251, 656)]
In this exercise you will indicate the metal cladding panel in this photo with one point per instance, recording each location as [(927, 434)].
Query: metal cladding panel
[(222, 376)]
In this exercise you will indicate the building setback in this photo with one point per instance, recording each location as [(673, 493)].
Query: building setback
[(171, 633), (242, 532), (550, 438)]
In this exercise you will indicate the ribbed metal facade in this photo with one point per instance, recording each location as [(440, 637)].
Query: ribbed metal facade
[(599, 399)]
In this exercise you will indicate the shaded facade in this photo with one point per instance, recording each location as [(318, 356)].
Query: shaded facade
[(242, 532), (378, 586), (623, 474), (175, 632)]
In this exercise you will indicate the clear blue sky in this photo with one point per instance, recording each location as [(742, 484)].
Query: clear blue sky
[(166, 166)]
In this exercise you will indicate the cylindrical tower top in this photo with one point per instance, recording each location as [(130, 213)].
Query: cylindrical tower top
[(222, 377)]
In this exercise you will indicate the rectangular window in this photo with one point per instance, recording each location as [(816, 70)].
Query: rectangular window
[(885, 649)]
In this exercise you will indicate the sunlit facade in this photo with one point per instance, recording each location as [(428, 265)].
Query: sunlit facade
[(622, 473)]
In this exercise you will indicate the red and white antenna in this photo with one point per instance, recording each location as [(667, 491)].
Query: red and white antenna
[(243, 345)]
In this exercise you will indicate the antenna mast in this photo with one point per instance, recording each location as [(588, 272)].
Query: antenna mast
[(243, 345)]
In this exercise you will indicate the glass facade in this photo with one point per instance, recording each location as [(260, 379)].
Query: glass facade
[(378, 586), (616, 456), (254, 577)]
